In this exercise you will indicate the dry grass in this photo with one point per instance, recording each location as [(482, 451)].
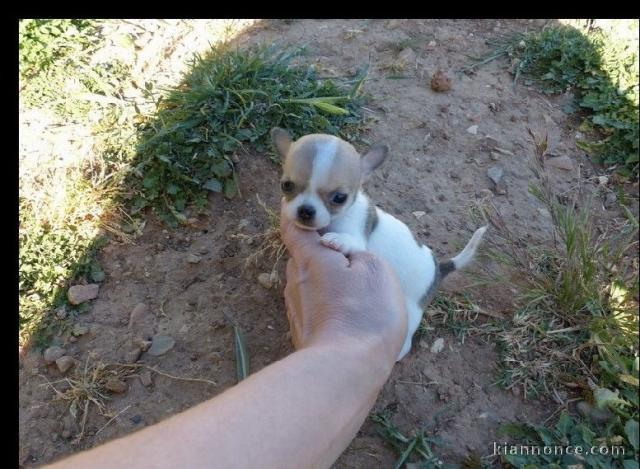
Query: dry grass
[(268, 244), (570, 294), (89, 386)]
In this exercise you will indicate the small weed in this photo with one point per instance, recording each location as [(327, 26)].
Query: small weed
[(419, 446), (458, 315)]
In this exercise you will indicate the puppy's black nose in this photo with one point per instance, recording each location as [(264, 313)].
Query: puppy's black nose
[(306, 212)]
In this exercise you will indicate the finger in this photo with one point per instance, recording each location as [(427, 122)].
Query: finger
[(303, 245), (292, 298), (367, 262)]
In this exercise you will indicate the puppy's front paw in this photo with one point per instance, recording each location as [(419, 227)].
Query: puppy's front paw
[(341, 242)]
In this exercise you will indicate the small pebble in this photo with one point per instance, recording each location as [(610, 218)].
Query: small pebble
[(193, 258), (52, 354), (160, 345), (145, 379), (264, 279), (81, 293), (116, 386), (65, 363)]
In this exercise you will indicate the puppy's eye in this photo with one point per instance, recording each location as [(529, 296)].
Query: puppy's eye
[(287, 186), (339, 198)]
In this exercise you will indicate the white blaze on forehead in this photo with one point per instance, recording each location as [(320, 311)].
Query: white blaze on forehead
[(322, 163)]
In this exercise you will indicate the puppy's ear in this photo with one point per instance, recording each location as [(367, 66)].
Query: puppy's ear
[(373, 158), (281, 140)]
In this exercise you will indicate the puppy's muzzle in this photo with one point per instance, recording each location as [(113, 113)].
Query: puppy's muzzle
[(306, 213)]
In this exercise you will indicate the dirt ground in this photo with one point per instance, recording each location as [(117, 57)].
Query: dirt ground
[(437, 166)]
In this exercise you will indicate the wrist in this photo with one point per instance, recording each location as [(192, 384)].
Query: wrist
[(372, 355)]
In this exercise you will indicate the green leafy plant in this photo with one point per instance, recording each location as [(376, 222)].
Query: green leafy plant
[(408, 448), (226, 105), (547, 447)]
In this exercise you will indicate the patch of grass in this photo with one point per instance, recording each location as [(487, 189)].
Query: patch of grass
[(600, 68), (417, 448), (43, 41), (226, 105), (576, 320), (56, 69), (457, 315), (59, 235), (599, 452), (66, 202)]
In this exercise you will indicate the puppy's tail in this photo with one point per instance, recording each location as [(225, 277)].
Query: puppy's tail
[(465, 257)]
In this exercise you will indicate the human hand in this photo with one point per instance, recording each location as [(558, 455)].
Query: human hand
[(330, 297)]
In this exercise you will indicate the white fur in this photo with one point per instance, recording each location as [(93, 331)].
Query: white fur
[(320, 172), (322, 163), (414, 264)]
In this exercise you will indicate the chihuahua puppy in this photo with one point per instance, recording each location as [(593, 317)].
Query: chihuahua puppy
[(322, 188)]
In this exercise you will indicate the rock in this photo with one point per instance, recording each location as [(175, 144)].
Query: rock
[(495, 173), (52, 354), (160, 345), (437, 346), (441, 82), (116, 385), (132, 356), (138, 315), (193, 258), (418, 214), (145, 379), (79, 294), (79, 330), (610, 200), (65, 363), (393, 24), (264, 279), (603, 180), (473, 130), (432, 44), (495, 156), (454, 176), (544, 212), (66, 434), (561, 162), (504, 151), (61, 312), (142, 344), (600, 416), (484, 194), (407, 56)]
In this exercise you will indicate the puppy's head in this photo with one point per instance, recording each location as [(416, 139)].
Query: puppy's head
[(322, 175)]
